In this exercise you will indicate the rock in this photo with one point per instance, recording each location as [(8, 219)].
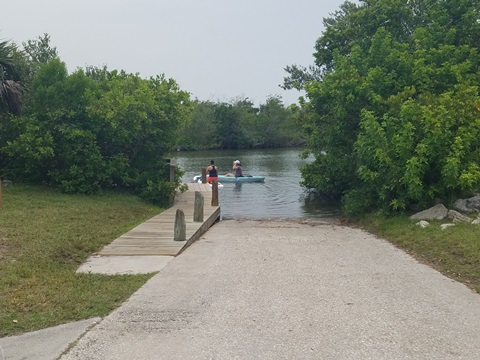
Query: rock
[(474, 203), (423, 224), (476, 222), (6, 183), (444, 226), (467, 206), (437, 212), (458, 217), (461, 206)]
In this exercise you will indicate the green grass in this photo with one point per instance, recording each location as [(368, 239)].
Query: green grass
[(44, 237), (455, 252)]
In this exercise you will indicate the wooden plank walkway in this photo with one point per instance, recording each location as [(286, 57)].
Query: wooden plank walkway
[(155, 236)]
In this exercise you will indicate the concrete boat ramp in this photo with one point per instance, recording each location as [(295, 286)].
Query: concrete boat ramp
[(150, 246), (277, 289)]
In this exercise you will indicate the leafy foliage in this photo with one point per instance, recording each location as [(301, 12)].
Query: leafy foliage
[(39, 50), (198, 130), (239, 124), (93, 130), (393, 119)]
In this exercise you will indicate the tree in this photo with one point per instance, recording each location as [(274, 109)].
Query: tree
[(275, 122), (48, 144), (85, 132), (239, 125), (228, 122), (11, 87), (199, 130), (369, 118), (140, 122), (39, 51), (249, 136), (18, 68)]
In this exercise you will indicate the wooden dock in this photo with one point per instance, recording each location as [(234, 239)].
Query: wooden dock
[(155, 236)]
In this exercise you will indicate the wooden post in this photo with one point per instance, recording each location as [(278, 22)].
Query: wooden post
[(204, 175), (172, 172), (214, 192), (171, 178), (198, 207), (180, 231)]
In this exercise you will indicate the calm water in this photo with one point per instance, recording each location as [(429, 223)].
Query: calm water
[(280, 196)]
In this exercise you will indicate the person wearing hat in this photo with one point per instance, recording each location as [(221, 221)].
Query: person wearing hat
[(237, 167)]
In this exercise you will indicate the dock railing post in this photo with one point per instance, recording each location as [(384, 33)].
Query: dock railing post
[(172, 171), (180, 230), (171, 178), (214, 192), (198, 207), (204, 175)]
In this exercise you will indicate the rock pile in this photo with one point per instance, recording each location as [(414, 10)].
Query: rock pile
[(461, 212)]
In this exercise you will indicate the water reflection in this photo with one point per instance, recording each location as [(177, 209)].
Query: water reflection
[(280, 196), (313, 203)]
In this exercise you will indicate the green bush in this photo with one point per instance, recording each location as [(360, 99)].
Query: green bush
[(89, 132), (393, 117)]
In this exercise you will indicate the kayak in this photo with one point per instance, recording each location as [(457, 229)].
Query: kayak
[(225, 179), (246, 178)]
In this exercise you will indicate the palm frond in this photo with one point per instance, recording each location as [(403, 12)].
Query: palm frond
[(11, 96)]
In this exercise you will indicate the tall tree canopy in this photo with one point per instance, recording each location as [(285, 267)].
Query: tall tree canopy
[(393, 110), (240, 125)]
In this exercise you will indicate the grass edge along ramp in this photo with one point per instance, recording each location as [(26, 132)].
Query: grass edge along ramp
[(44, 236)]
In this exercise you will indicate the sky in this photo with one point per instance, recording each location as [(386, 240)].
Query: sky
[(218, 50)]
